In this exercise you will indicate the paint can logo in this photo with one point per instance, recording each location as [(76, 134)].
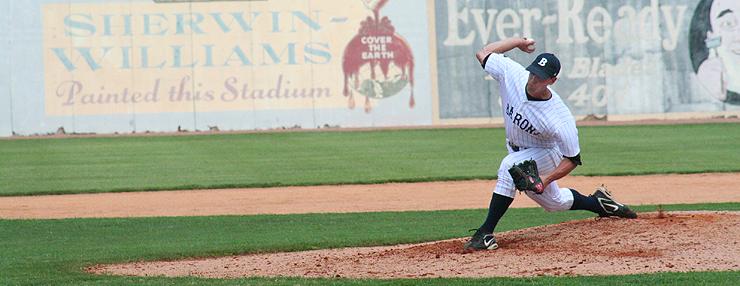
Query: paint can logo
[(377, 62)]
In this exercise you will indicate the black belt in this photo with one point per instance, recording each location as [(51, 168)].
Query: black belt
[(515, 148)]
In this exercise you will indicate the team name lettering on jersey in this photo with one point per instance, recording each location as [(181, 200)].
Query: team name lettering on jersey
[(519, 120)]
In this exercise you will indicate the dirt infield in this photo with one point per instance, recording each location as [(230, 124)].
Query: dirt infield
[(680, 241), (652, 189)]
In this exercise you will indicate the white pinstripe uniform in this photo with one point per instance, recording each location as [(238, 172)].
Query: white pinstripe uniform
[(541, 130)]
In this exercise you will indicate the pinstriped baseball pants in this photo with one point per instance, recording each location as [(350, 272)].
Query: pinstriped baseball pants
[(553, 198)]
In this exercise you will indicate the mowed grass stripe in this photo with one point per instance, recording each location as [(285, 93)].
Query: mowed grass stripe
[(82, 165), (53, 252)]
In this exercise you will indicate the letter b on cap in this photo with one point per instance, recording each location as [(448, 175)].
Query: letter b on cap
[(543, 62)]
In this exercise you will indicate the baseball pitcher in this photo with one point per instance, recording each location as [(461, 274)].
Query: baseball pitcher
[(542, 140)]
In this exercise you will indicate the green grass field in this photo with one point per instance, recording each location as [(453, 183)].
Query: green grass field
[(80, 165), (53, 252)]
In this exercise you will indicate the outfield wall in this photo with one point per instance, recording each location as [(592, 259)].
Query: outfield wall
[(124, 66)]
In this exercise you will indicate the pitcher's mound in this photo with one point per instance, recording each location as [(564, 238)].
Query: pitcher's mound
[(676, 241)]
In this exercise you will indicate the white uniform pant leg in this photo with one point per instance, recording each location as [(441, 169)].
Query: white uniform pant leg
[(553, 198)]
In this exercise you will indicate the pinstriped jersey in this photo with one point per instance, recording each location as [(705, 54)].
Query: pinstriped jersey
[(528, 123)]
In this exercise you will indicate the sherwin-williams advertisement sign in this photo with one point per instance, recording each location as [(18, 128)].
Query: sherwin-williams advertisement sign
[(618, 57), (103, 58)]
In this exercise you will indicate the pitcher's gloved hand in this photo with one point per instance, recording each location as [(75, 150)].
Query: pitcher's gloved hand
[(526, 177)]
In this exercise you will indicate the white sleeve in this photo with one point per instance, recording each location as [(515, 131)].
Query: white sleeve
[(501, 67), (567, 136)]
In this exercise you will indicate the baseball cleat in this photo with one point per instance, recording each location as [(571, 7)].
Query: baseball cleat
[(610, 206), (481, 241)]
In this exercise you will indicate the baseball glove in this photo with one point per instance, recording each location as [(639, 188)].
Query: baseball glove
[(526, 177)]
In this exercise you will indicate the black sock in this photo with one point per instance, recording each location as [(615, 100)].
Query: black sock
[(498, 206), (581, 202)]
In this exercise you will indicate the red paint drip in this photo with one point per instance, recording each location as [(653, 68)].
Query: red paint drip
[(375, 32)]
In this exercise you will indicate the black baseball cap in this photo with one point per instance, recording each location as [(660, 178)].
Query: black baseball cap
[(545, 66)]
